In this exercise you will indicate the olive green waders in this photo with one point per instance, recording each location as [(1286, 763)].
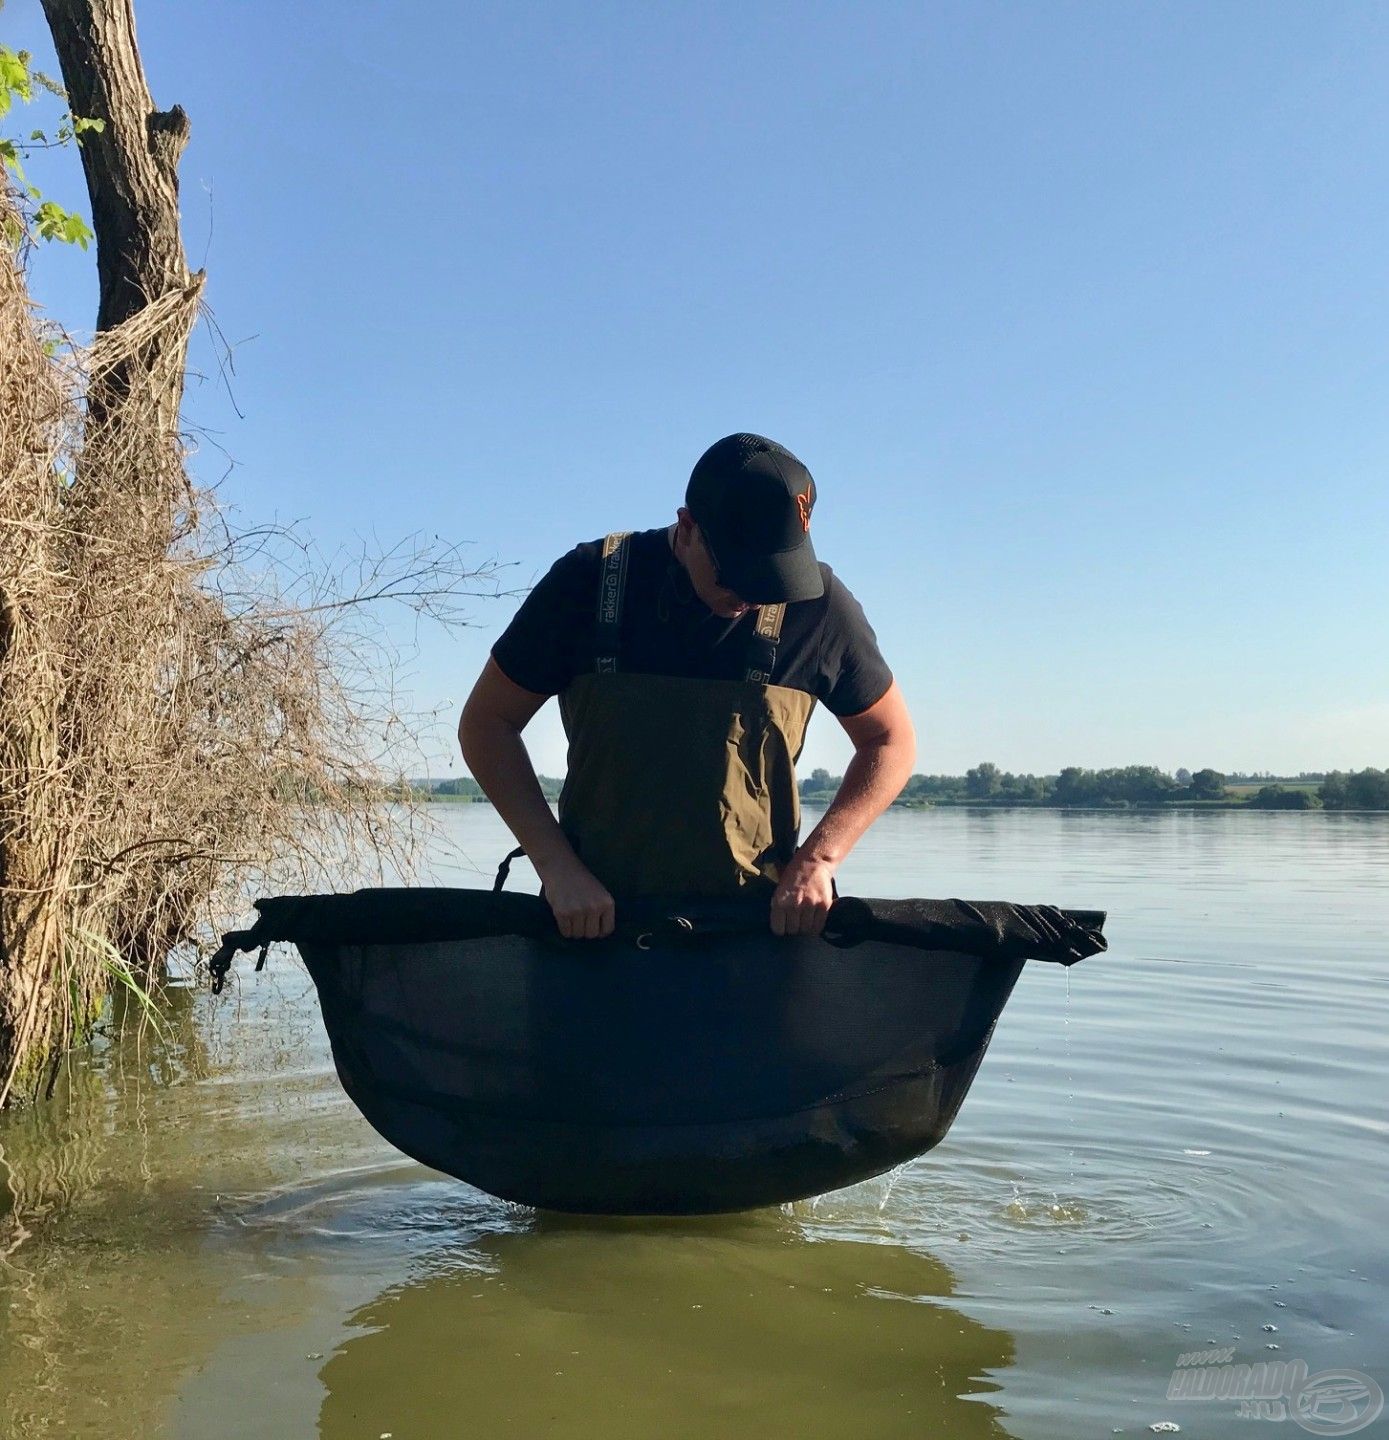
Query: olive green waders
[(681, 786)]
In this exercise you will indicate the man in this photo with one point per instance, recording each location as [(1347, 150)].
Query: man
[(687, 661)]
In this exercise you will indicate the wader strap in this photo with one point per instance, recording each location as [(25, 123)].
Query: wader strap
[(762, 647), (612, 583), (504, 869)]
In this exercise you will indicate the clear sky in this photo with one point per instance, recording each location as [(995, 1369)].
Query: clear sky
[(1079, 314)]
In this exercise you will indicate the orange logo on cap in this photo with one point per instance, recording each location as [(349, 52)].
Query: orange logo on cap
[(803, 508)]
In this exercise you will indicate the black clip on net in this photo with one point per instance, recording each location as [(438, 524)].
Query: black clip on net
[(233, 942)]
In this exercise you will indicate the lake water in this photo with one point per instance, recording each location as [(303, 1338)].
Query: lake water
[(1176, 1146)]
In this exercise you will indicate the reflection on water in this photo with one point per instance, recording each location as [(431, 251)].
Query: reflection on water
[(526, 1323), (667, 1334), (1179, 1144)]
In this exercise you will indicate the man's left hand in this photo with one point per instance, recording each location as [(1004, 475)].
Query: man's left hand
[(803, 898)]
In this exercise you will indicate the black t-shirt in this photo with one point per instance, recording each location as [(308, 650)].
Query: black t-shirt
[(827, 647)]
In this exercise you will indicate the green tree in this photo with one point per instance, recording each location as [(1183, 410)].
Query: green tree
[(1137, 785), (1074, 786), (982, 781), (1208, 785), (1368, 790), (925, 788), (1279, 797), (463, 786)]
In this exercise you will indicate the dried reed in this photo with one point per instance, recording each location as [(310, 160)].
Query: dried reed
[(184, 710)]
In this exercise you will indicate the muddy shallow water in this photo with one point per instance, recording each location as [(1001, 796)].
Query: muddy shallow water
[(1177, 1146)]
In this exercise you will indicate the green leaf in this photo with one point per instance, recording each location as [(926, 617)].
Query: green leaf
[(14, 77), (52, 222), (48, 220), (9, 158), (76, 231), (83, 123)]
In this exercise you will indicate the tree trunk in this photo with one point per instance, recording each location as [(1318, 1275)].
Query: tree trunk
[(132, 178)]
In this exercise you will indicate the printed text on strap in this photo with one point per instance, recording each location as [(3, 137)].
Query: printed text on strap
[(612, 583), (762, 647)]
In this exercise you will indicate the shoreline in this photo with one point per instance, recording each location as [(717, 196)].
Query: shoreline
[(821, 799)]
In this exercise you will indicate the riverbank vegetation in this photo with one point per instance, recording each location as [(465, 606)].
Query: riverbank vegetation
[(468, 791), (1134, 787)]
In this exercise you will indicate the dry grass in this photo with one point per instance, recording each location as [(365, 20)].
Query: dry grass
[(184, 710)]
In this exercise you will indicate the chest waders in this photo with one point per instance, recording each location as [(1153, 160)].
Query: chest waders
[(680, 786)]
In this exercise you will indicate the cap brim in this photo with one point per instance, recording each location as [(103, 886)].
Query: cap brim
[(781, 577)]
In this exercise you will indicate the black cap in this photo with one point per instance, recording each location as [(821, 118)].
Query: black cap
[(752, 500)]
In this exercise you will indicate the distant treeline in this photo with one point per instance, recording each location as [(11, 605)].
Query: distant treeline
[(1134, 786), (1125, 787), (467, 789)]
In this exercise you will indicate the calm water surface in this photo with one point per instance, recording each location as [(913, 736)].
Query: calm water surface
[(1177, 1145)]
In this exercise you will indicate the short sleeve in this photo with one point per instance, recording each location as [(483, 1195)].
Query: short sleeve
[(853, 674), (543, 647)]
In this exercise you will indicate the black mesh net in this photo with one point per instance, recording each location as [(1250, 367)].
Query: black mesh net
[(692, 1063)]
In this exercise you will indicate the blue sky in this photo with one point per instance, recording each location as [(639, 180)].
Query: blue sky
[(1079, 313)]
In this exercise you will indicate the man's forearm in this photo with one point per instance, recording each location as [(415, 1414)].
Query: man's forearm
[(496, 755), (874, 779)]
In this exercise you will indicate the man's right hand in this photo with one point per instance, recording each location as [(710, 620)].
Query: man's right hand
[(490, 734), (582, 906)]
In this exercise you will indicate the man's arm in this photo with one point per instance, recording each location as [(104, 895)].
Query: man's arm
[(489, 733), (884, 753)]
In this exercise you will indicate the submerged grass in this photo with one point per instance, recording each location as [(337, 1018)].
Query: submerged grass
[(121, 974)]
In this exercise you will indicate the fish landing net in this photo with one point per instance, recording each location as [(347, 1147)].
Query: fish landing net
[(692, 1063)]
